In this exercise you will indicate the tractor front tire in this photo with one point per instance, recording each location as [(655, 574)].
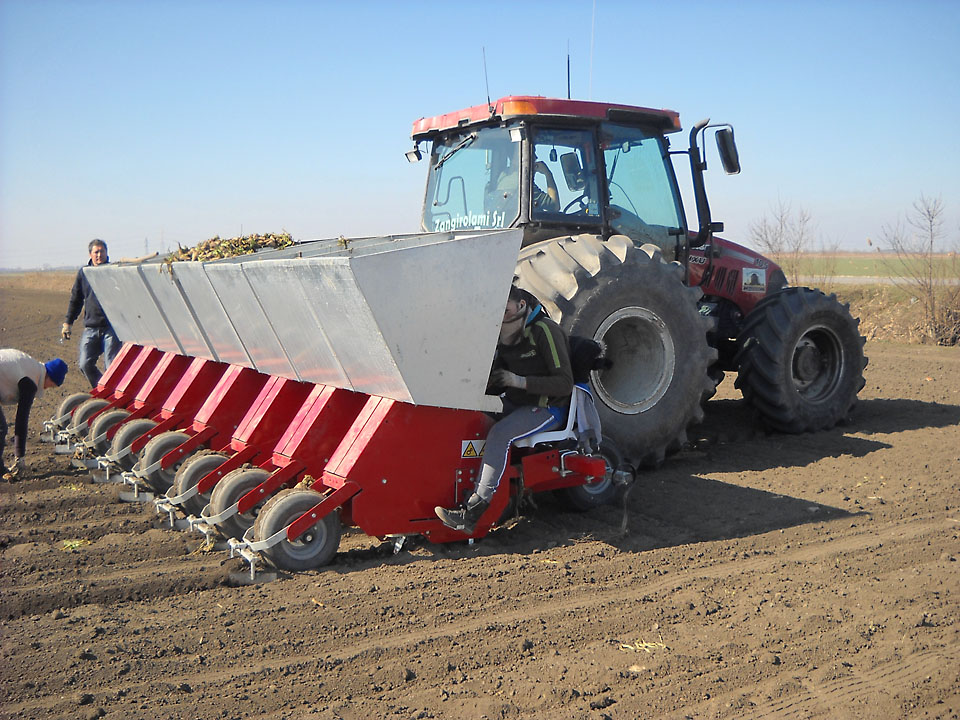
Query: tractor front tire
[(801, 360), (315, 548), (635, 304)]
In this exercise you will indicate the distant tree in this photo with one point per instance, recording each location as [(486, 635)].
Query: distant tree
[(785, 237), (928, 267)]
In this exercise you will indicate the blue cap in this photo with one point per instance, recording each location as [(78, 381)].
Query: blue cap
[(56, 370)]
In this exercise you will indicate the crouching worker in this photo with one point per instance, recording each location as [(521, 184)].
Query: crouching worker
[(532, 369), (22, 379)]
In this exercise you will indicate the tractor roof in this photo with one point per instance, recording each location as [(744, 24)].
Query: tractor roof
[(527, 106)]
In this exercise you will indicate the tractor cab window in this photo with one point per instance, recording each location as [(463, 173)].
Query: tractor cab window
[(643, 202), (564, 176), (474, 181)]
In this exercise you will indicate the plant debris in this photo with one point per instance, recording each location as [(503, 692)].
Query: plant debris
[(217, 248), (72, 545), (647, 647)]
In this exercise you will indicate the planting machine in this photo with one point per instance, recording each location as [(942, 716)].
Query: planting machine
[(272, 398)]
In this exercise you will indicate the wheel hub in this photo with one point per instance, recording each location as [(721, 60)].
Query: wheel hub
[(641, 349), (807, 362), (817, 364)]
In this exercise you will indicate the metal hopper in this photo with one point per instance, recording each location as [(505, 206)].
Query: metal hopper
[(414, 318)]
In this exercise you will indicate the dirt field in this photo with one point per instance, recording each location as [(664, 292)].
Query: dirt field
[(759, 576)]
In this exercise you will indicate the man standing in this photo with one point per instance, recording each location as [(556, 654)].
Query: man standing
[(23, 379), (98, 335)]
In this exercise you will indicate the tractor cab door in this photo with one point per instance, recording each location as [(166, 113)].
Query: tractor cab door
[(611, 179), (643, 197)]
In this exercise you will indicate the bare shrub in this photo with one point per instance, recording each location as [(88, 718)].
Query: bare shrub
[(786, 237), (822, 273), (927, 268), (783, 238)]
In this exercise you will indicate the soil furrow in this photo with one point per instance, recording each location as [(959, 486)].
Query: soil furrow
[(509, 618), (761, 575)]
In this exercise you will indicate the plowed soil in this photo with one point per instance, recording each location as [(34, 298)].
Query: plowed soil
[(754, 575)]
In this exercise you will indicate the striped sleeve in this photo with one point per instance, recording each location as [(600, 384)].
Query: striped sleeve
[(552, 347)]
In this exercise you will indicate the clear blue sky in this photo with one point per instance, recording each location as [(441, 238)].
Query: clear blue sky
[(153, 123)]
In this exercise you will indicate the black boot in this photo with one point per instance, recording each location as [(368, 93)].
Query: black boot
[(463, 518)]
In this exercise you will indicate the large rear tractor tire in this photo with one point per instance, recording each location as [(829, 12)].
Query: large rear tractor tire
[(233, 486), (192, 471), (313, 549), (162, 478), (99, 427), (801, 360), (125, 436), (635, 304), (69, 404)]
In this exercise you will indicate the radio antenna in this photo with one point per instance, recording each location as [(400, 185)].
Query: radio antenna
[(593, 25), (568, 68), (485, 79)]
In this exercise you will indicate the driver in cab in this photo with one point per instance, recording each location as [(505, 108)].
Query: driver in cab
[(507, 187)]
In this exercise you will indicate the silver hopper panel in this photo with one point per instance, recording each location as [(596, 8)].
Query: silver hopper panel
[(414, 318)]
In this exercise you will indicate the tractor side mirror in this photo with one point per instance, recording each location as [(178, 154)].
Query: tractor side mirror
[(727, 147), (572, 171)]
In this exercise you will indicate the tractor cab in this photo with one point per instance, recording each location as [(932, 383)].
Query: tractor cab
[(554, 167)]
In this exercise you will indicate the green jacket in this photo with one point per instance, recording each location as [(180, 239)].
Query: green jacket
[(542, 356)]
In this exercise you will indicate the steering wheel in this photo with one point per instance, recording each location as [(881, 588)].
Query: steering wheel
[(581, 201)]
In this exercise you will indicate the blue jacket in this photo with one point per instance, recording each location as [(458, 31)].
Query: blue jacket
[(82, 297)]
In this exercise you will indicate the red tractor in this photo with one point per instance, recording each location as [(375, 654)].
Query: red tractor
[(607, 249), (334, 378)]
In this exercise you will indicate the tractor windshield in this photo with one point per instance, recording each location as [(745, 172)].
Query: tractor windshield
[(474, 182), (644, 202)]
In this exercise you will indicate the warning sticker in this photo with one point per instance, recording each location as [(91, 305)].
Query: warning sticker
[(754, 280), (472, 448)]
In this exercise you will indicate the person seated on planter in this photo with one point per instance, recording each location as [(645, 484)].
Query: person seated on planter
[(532, 369), (22, 380)]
